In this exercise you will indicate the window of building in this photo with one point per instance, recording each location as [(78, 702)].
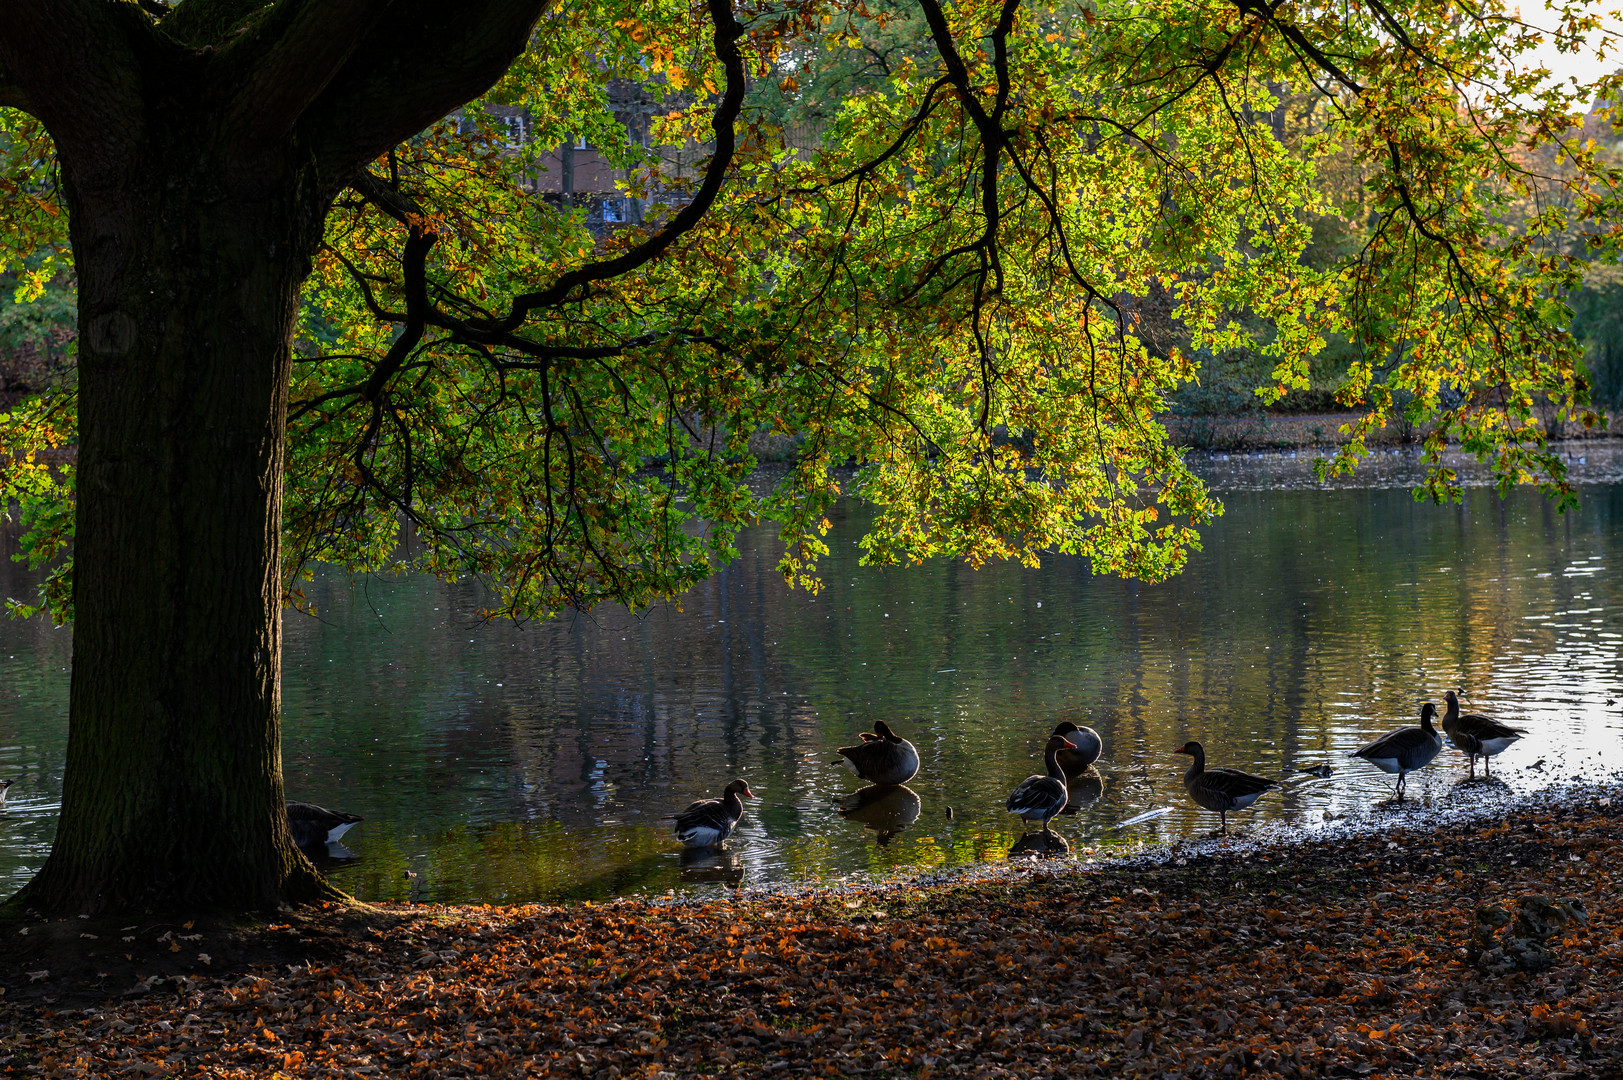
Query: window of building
[(614, 210)]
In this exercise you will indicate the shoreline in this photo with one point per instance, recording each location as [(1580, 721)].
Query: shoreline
[(1399, 948)]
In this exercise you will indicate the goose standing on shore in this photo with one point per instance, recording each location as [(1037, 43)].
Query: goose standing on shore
[(881, 758), (707, 822), (1220, 790), (1472, 734), (312, 824), (1043, 796), (1088, 747), (1406, 749)]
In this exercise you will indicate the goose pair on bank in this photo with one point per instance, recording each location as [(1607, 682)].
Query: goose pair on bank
[(1069, 752), (1410, 748)]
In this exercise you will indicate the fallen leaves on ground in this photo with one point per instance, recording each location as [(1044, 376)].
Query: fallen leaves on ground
[(1348, 957)]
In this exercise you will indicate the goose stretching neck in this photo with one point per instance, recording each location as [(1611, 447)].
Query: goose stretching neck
[(1043, 796), (312, 824), (1406, 749), (1472, 734), (707, 822), (1220, 790), (881, 758)]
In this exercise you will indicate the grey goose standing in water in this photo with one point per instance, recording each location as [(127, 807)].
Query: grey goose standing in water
[(1087, 743), (312, 824), (1043, 796), (881, 758), (707, 822), (1220, 790)]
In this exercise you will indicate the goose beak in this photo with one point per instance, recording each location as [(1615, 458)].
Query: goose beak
[(1070, 745), (1180, 750)]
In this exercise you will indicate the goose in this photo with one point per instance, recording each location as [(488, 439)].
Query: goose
[(1473, 735), (1406, 749), (5, 785), (312, 824), (1088, 747), (1220, 790), (1043, 796), (707, 822), (882, 758)]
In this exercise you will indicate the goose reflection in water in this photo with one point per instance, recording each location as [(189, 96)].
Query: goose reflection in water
[(711, 864), (1048, 845), (1083, 790), (887, 809)]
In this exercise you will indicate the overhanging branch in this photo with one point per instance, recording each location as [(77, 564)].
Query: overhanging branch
[(727, 32)]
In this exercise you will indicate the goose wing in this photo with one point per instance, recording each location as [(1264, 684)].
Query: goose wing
[(1227, 789), (705, 813), (1036, 796), (1483, 729), (1394, 744)]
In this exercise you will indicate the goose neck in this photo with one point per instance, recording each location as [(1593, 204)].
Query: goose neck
[(1051, 757)]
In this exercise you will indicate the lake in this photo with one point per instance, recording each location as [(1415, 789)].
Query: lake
[(508, 763)]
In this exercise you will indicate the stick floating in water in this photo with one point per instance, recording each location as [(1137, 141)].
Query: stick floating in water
[(1145, 816)]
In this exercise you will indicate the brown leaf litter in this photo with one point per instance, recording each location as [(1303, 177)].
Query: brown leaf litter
[(1488, 951)]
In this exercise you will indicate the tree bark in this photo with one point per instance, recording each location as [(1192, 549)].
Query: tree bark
[(189, 272), (196, 177)]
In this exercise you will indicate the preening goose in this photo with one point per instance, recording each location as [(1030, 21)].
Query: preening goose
[(883, 758), (1406, 749), (1472, 734), (1088, 747), (312, 824), (707, 822), (1220, 790), (1043, 796)]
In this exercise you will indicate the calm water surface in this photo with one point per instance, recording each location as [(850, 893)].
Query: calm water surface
[(504, 763)]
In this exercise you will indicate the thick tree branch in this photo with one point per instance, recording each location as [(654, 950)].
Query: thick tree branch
[(412, 68), (77, 65), (12, 95), (309, 43)]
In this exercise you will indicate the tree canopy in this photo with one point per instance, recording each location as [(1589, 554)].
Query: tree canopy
[(947, 290)]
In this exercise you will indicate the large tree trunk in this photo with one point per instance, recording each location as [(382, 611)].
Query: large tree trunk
[(200, 152), (189, 275)]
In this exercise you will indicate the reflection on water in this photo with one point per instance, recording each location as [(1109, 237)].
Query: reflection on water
[(1083, 790), (887, 809), (1049, 845), (505, 763)]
